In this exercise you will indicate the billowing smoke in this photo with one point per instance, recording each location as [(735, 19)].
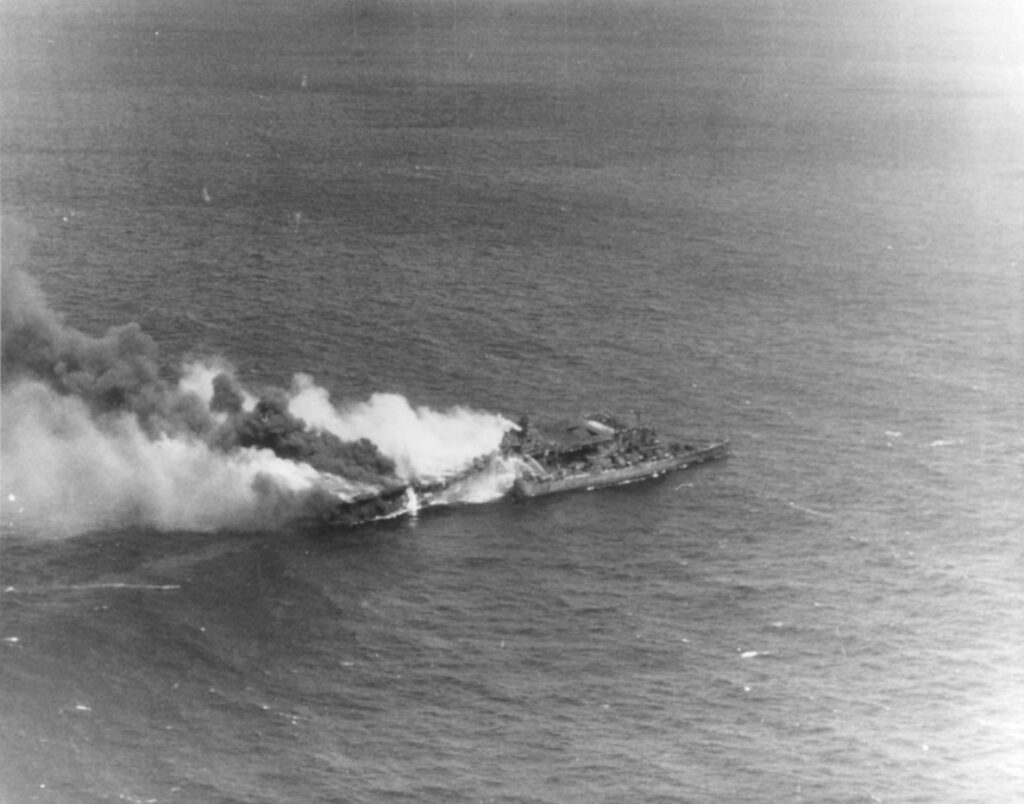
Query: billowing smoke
[(425, 444), (67, 470), (94, 433)]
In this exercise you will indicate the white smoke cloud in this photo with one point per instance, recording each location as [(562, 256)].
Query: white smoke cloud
[(65, 470), (425, 444), (197, 378)]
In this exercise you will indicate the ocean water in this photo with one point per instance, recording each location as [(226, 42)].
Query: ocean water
[(798, 225)]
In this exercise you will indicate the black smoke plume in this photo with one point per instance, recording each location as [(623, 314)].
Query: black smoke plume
[(271, 426), (59, 382), (96, 431)]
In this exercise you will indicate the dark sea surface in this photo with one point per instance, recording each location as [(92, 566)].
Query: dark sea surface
[(796, 224)]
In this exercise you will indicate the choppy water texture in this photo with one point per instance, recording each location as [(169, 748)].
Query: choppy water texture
[(796, 224)]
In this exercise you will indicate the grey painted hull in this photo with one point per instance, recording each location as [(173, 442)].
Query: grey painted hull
[(539, 487)]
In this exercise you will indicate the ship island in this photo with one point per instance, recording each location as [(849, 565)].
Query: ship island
[(594, 451)]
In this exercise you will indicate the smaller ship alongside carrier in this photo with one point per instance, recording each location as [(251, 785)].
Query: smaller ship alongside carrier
[(596, 451), (539, 459)]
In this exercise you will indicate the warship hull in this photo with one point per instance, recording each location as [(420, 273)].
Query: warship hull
[(527, 487), (543, 460)]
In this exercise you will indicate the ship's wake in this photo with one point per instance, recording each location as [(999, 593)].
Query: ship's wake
[(94, 434)]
